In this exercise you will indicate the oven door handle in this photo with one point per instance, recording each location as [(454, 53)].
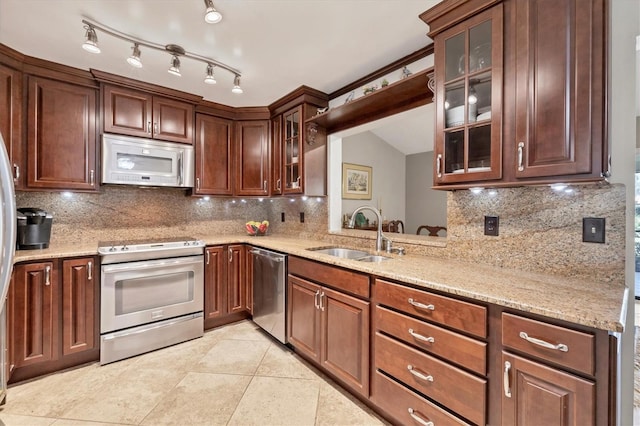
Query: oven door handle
[(150, 264), (143, 329)]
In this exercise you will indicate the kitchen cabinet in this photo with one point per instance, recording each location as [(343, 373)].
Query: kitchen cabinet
[(61, 135), (520, 92), (252, 158), (276, 155), (431, 345), (213, 156), (11, 120), (328, 326), (54, 320), (226, 288), (138, 113)]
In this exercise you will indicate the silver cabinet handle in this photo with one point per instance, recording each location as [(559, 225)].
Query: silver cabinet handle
[(414, 415), (197, 184), (149, 127), (155, 128), (47, 275), (208, 256), (264, 186), (507, 386), (520, 156), (279, 184), (316, 303), (89, 271), (418, 374), (321, 304), (92, 177), (16, 172), (421, 337), (559, 347), (439, 165), (421, 305), (230, 255)]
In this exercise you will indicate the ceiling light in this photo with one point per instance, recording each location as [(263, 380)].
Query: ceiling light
[(210, 78), (211, 15), (236, 85), (134, 59), (91, 40), (175, 66)]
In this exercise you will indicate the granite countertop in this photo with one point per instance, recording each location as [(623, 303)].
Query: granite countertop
[(600, 305)]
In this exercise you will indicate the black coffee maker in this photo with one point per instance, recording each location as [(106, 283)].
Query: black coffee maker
[(34, 228)]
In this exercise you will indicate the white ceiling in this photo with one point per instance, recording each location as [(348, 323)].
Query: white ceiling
[(278, 45)]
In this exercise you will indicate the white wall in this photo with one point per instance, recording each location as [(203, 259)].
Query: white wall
[(425, 206), (624, 25), (388, 176)]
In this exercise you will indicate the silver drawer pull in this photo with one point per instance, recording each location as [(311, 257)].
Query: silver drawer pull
[(414, 415), (421, 305), (418, 374), (47, 275), (559, 347), (421, 337), (89, 271), (520, 156), (505, 380)]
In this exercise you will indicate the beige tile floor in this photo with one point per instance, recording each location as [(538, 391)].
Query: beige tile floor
[(234, 375)]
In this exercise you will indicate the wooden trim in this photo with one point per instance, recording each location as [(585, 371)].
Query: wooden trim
[(11, 57), (104, 77), (449, 13), (55, 71), (303, 94), (406, 60)]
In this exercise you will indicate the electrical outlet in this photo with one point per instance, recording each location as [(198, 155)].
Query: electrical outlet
[(301, 217), (593, 229), (491, 225), (282, 217)]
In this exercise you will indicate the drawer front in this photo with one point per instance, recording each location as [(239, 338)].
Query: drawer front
[(407, 407), (563, 346), (454, 313), (452, 387), (341, 279), (449, 345)]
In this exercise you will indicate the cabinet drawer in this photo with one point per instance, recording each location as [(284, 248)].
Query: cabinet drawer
[(341, 279), (449, 345), (563, 346), (401, 403), (454, 313), (452, 387)]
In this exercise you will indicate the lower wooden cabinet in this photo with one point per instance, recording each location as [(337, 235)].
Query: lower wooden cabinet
[(227, 290), (52, 323), (330, 328)]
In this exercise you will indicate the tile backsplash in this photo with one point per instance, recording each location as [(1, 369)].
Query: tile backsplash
[(540, 228)]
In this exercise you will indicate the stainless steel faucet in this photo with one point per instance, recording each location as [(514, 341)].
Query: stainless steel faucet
[(380, 237)]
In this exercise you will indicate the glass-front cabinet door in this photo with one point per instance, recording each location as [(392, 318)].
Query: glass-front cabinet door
[(468, 58), (293, 122)]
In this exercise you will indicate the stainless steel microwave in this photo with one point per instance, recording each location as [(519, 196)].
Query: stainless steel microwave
[(137, 161)]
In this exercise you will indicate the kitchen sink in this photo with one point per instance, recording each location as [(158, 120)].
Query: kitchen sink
[(373, 258), (345, 253)]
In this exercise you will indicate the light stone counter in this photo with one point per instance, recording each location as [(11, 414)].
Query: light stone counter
[(600, 305)]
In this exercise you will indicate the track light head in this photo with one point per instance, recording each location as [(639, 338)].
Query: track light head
[(175, 66), (236, 85), (211, 15), (134, 59), (210, 78), (91, 40)]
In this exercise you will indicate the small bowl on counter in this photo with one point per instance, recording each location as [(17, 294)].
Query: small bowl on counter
[(256, 228)]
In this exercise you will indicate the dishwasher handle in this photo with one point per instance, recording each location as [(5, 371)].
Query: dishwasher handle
[(274, 257)]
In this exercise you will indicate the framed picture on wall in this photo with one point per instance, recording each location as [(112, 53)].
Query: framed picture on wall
[(356, 182)]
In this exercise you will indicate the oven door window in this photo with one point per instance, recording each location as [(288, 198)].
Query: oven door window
[(153, 292)]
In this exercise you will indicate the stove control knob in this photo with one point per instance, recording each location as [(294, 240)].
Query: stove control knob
[(186, 243), (125, 248), (112, 248)]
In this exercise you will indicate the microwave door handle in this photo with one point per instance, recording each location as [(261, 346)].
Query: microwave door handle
[(180, 169)]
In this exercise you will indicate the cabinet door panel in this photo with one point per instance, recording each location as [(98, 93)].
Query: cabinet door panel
[(215, 263), (214, 156), (252, 158), (345, 350), (276, 156), (303, 318), (236, 279), (127, 112), (61, 135), (540, 395), (172, 120), (11, 119), (78, 305), (36, 313)]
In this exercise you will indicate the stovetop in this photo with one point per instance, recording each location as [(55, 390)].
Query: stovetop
[(147, 249)]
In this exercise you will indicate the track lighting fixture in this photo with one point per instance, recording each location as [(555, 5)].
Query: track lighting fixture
[(176, 52), (211, 15), (91, 40), (236, 85), (210, 78), (134, 59)]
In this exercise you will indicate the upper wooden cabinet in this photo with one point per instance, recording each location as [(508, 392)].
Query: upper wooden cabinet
[(520, 92), (252, 158), (11, 119), (61, 135), (214, 156), (137, 113)]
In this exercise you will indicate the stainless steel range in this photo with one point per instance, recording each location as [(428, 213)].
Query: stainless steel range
[(152, 295)]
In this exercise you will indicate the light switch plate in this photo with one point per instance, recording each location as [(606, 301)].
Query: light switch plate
[(593, 229)]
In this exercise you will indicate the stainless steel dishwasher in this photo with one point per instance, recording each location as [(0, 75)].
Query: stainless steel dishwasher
[(269, 279)]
